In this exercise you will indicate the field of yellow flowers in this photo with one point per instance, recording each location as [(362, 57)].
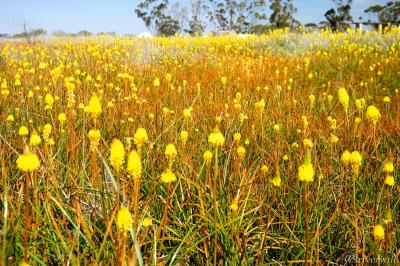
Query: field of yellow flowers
[(231, 150)]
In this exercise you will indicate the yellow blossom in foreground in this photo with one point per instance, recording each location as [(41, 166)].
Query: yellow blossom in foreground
[(28, 162), (168, 176), (373, 114), (134, 165), (117, 154), (379, 232), (124, 220)]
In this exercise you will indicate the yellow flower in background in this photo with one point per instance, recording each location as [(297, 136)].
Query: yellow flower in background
[(34, 139), (306, 171), (234, 205), (147, 222), (124, 220), (134, 165), (140, 137), (23, 263), (343, 98), (216, 138), (373, 114), (156, 82), (49, 100), (187, 113), (379, 232), (355, 161), (168, 177), (62, 118), (345, 158), (389, 180), (184, 136), (276, 181), (94, 136), (224, 80), (10, 118), (170, 152), (241, 151), (237, 137), (28, 161), (23, 131), (94, 106), (117, 154), (207, 156), (388, 166), (264, 168)]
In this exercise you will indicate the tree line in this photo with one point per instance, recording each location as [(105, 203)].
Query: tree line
[(168, 17)]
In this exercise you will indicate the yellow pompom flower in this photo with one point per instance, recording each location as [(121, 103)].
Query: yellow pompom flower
[(10, 118), (264, 168), (373, 114), (379, 232), (117, 154), (62, 118), (134, 166), (224, 80), (23, 263), (187, 113), (147, 222), (28, 161), (388, 166), (241, 151), (170, 152), (34, 139), (389, 180), (276, 181), (207, 156), (343, 98), (237, 137), (94, 106), (156, 82), (216, 138), (168, 176), (234, 205), (49, 100), (355, 161), (306, 171), (140, 137), (94, 136), (124, 220), (23, 131), (47, 131), (184, 136), (345, 158)]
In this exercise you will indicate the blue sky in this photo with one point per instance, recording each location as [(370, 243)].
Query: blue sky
[(118, 15)]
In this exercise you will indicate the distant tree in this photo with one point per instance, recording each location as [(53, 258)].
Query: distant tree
[(109, 33), (389, 13), (282, 14), (154, 14), (59, 33), (196, 25), (337, 18), (84, 33)]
